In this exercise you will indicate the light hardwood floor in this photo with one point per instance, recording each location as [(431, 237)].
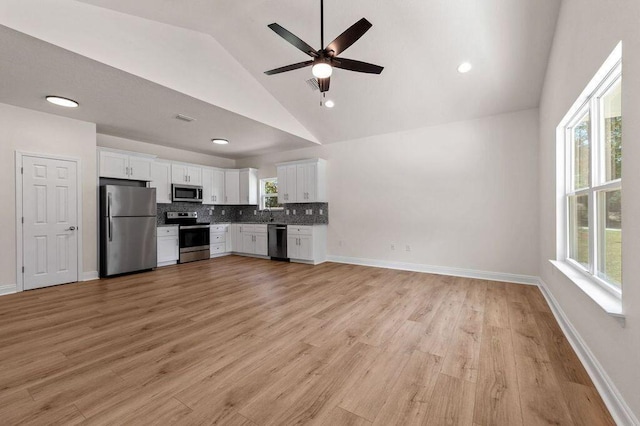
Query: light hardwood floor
[(242, 341)]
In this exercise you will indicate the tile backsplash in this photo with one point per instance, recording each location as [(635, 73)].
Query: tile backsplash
[(305, 213)]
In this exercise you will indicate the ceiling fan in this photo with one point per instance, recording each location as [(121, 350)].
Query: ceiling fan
[(324, 60)]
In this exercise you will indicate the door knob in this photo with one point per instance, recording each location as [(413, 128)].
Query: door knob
[(71, 228)]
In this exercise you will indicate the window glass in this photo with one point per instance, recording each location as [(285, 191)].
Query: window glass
[(581, 153), (579, 229), (611, 122), (610, 265)]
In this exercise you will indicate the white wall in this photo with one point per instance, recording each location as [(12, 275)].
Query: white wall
[(461, 195), (163, 152), (36, 132), (587, 32)]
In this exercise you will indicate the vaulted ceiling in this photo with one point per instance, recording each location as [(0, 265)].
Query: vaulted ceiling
[(420, 43)]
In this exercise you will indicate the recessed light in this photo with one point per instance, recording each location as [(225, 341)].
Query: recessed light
[(64, 102), (220, 141), (329, 104), (464, 67)]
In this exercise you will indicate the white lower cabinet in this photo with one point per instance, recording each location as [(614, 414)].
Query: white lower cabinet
[(251, 239), (307, 243), (168, 245), (218, 239)]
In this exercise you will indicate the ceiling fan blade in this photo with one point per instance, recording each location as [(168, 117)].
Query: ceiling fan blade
[(347, 38), (293, 39), (289, 68), (323, 84), (358, 66)]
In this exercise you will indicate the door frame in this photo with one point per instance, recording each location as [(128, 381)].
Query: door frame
[(19, 212)]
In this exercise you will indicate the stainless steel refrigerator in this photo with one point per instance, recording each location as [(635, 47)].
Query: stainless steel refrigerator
[(127, 229)]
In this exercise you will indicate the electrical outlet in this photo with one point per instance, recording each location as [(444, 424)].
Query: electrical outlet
[(222, 212), (393, 247), (320, 212), (287, 212), (407, 247), (240, 212), (294, 211), (255, 212)]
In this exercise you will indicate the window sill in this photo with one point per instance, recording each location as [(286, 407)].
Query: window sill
[(609, 302)]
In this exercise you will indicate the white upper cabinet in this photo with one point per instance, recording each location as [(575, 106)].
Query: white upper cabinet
[(161, 180), (287, 183), (232, 186), (249, 186), (123, 165), (140, 168), (207, 185), (212, 186), (302, 181), (188, 174), (217, 186)]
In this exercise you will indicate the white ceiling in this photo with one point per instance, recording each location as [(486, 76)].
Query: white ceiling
[(419, 42), (125, 105)]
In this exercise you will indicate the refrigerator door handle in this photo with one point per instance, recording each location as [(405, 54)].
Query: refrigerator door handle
[(109, 218)]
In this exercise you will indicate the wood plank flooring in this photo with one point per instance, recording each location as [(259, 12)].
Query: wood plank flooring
[(243, 341)]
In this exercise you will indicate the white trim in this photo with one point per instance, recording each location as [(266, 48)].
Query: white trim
[(440, 270), (90, 276), (7, 289), (620, 411), (19, 211)]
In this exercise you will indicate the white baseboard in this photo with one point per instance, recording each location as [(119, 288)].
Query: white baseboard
[(90, 276), (7, 289), (440, 270), (612, 398)]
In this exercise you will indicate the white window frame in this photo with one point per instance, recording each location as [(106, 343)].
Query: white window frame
[(606, 294), (264, 195)]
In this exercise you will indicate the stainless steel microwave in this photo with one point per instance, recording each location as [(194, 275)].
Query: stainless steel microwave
[(186, 193)]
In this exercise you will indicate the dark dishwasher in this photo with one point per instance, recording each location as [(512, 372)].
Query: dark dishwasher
[(278, 242)]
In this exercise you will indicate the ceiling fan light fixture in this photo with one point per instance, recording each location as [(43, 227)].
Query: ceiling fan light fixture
[(63, 102), (321, 70), (464, 67), (219, 141), (329, 103)]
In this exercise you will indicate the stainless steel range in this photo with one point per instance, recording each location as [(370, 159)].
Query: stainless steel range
[(194, 236)]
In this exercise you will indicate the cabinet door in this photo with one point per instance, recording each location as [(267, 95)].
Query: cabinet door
[(248, 245), (238, 245), (194, 175), (230, 239), (291, 184), (167, 249), (114, 165), (310, 182), (140, 168), (217, 188), (207, 185), (305, 247), (178, 173), (161, 181), (282, 183), (292, 246), (262, 247), (248, 187), (232, 187)]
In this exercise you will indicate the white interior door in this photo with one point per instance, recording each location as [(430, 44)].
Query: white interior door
[(49, 233)]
